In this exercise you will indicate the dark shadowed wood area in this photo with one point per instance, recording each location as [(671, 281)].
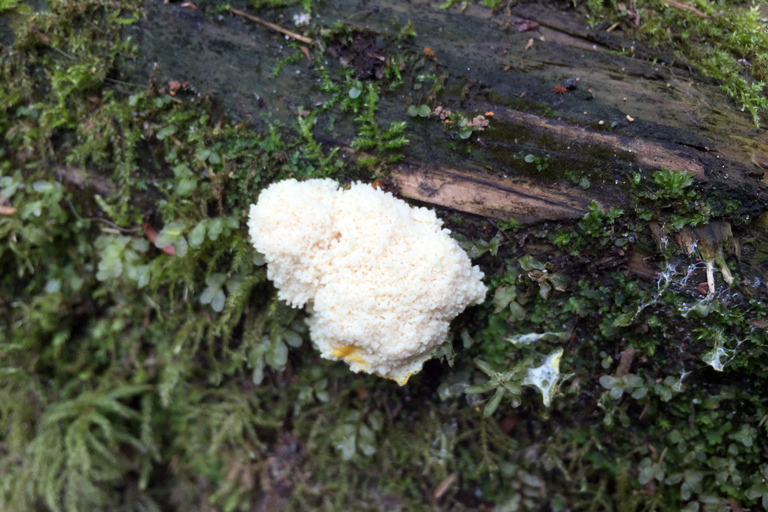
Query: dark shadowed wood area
[(620, 108)]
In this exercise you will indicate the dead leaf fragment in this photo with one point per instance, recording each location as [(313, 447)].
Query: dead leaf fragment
[(529, 44), (429, 52), (173, 87), (526, 25), (7, 210), (507, 424), (305, 51), (625, 363), (189, 4), (36, 32)]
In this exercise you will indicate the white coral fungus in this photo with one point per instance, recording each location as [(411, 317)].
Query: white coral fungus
[(383, 279)]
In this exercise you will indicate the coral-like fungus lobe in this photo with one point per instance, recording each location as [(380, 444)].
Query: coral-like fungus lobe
[(384, 280)]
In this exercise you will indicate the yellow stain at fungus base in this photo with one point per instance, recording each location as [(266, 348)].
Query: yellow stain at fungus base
[(402, 381), (349, 353), (333, 248)]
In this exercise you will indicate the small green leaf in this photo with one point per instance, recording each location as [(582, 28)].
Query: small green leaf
[(186, 186), (424, 111), (691, 507), (203, 154), (169, 234), (484, 388), (347, 446), (197, 235), (215, 227), (258, 370), (42, 186), (494, 402), (180, 246), (216, 280), (166, 132), (503, 297), (53, 286), (182, 171), (207, 296), (279, 355), (645, 474), (413, 111), (466, 338), (529, 263), (516, 312), (76, 282), (608, 381), (292, 338), (632, 381), (217, 303)]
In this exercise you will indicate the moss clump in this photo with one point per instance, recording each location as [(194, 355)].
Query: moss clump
[(726, 41)]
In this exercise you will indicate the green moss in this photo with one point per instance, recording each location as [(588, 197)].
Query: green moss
[(726, 42), (135, 379)]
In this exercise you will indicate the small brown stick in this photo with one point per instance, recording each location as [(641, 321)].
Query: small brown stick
[(361, 13), (686, 7), (645, 410), (444, 485), (501, 231), (277, 28)]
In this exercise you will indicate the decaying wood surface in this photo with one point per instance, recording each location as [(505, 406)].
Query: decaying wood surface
[(520, 198), (631, 111)]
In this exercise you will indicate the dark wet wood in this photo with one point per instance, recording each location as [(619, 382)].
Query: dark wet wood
[(634, 110)]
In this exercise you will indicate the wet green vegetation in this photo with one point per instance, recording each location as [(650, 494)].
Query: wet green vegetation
[(146, 364), (724, 40)]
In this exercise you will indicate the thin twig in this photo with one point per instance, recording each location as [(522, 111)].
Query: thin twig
[(277, 28), (105, 221), (112, 80), (686, 7), (501, 231), (61, 52), (361, 13)]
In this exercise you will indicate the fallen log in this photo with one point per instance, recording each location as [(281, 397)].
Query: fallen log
[(625, 110)]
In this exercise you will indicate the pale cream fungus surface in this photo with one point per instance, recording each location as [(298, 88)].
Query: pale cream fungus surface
[(382, 280)]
